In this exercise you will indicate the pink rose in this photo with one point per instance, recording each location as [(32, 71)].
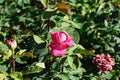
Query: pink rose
[(11, 43), (60, 42)]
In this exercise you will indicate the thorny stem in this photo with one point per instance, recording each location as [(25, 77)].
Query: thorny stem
[(13, 61)]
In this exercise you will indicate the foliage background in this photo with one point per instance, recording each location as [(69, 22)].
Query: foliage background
[(94, 25)]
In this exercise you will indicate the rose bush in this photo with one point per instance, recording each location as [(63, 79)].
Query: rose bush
[(59, 39)]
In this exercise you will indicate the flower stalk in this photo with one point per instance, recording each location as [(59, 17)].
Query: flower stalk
[(12, 44), (13, 60)]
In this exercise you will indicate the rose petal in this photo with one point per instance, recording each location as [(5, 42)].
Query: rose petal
[(11, 43), (68, 43), (63, 36), (57, 52), (53, 35), (53, 45), (59, 37)]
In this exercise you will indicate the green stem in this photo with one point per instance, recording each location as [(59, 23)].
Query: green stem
[(13, 60)]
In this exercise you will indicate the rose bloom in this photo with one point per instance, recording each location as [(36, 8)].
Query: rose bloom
[(11, 43), (60, 42), (104, 62)]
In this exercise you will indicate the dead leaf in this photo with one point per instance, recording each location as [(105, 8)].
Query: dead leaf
[(62, 7)]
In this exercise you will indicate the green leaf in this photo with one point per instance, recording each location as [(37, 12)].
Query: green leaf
[(101, 7), (8, 55), (20, 2), (106, 75), (106, 23), (44, 2), (70, 60), (74, 47), (48, 14), (1, 1), (3, 75), (77, 71), (42, 52), (56, 65), (112, 7), (16, 75), (73, 61), (93, 78), (7, 78), (37, 39), (72, 77), (3, 68), (25, 54), (41, 64), (26, 1), (65, 24), (83, 51), (32, 69), (18, 60), (62, 76), (4, 56), (21, 51), (76, 25), (3, 48)]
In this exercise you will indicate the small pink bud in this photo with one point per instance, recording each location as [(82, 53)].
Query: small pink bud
[(11, 43)]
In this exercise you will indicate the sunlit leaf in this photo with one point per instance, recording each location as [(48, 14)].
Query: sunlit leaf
[(37, 39), (101, 7), (41, 64), (3, 75), (16, 75), (44, 2), (25, 54), (21, 51), (8, 55), (111, 5)]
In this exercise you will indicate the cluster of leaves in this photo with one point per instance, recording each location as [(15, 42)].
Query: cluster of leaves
[(94, 25)]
